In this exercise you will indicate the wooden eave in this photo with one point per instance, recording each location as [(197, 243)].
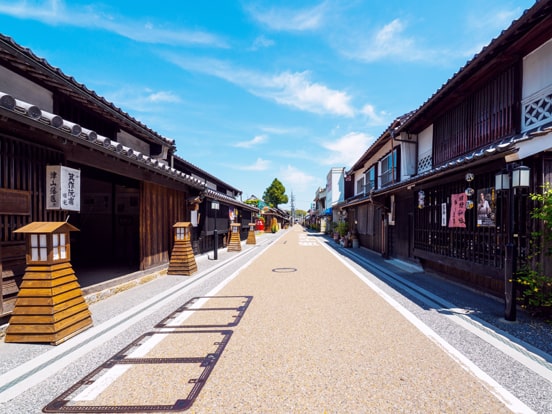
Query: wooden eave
[(523, 36), (190, 169), (80, 150), (379, 143), (27, 64)]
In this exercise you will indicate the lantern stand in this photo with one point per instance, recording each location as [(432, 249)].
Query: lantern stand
[(49, 307), (251, 235), (215, 206), (512, 179), (235, 243), (182, 256)]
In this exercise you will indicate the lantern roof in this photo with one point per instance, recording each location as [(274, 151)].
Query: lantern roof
[(47, 227), (182, 224)]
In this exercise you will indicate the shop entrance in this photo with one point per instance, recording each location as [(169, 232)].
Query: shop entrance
[(107, 245)]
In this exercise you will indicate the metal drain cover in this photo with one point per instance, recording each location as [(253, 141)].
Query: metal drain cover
[(284, 270)]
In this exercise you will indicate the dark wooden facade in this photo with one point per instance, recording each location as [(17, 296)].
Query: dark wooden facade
[(160, 208), (133, 186), (476, 123), (22, 197), (490, 113)]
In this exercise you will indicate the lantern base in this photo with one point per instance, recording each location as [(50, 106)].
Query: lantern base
[(182, 259), (234, 245), (251, 237), (50, 307)]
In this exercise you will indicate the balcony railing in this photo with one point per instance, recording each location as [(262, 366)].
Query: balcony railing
[(537, 109)]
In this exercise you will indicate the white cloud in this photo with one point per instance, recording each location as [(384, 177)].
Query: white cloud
[(389, 41), (295, 20), (346, 150), (143, 100), (163, 96), (374, 118), (296, 180), (259, 165), (261, 42), (259, 139), (56, 12), (492, 20), (487, 25), (296, 89), (293, 89)]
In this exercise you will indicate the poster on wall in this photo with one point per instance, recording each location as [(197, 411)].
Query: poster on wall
[(486, 207), (443, 214), (458, 210), (63, 188)]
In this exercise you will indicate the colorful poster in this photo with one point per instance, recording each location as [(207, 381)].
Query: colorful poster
[(486, 207), (458, 210)]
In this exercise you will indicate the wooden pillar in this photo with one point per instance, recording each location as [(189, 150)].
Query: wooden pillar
[(50, 306), (251, 235), (235, 243), (182, 257)]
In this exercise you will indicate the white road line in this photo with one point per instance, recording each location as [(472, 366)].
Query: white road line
[(111, 375), (510, 400), (522, 352), (38, 369)]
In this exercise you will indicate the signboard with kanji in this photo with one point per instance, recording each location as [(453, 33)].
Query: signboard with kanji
[(63, 188)]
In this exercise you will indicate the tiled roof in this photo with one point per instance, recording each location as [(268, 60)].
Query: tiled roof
[(33, 115), (500, 148), (493, 51), (383, 138), (38, 68), (216, 195)]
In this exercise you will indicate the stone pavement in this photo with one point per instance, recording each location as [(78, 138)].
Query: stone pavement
[(315, 338), (295, 331), (293, 324)]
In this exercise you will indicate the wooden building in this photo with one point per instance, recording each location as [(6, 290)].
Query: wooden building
[(414, 194), (133, 187)]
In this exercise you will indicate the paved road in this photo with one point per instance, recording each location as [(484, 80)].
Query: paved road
[(296, 329)]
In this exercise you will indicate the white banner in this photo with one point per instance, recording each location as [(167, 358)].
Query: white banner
[(63, 188)]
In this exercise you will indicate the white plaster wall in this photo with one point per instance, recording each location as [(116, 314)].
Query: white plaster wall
[(537, 70)]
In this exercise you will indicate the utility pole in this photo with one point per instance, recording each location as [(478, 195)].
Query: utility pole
[(292, 198)]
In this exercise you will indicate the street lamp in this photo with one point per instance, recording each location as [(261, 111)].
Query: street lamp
[(512, 179), (215, 206)]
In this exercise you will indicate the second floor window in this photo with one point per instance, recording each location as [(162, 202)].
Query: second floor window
[(389, 169), (371, 179), (360, 186)]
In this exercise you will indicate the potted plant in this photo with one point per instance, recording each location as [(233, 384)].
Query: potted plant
[(354, 240), (342, 228), (334, 231)]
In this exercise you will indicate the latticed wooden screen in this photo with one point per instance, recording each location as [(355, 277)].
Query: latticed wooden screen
[(473, 243)]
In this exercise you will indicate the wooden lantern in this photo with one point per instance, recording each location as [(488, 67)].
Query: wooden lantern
[(235, 243), (251, 235), (182, 257), (50, 306)]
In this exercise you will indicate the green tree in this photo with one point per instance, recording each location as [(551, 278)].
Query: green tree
[(535, 284), (275, 194)]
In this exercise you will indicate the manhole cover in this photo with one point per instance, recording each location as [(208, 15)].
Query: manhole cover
[(284, 270)]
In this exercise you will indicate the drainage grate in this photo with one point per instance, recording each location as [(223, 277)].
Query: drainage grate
[(176, 380), (229, 308)]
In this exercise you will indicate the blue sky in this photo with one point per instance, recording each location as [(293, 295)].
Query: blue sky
[(256, 90)]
